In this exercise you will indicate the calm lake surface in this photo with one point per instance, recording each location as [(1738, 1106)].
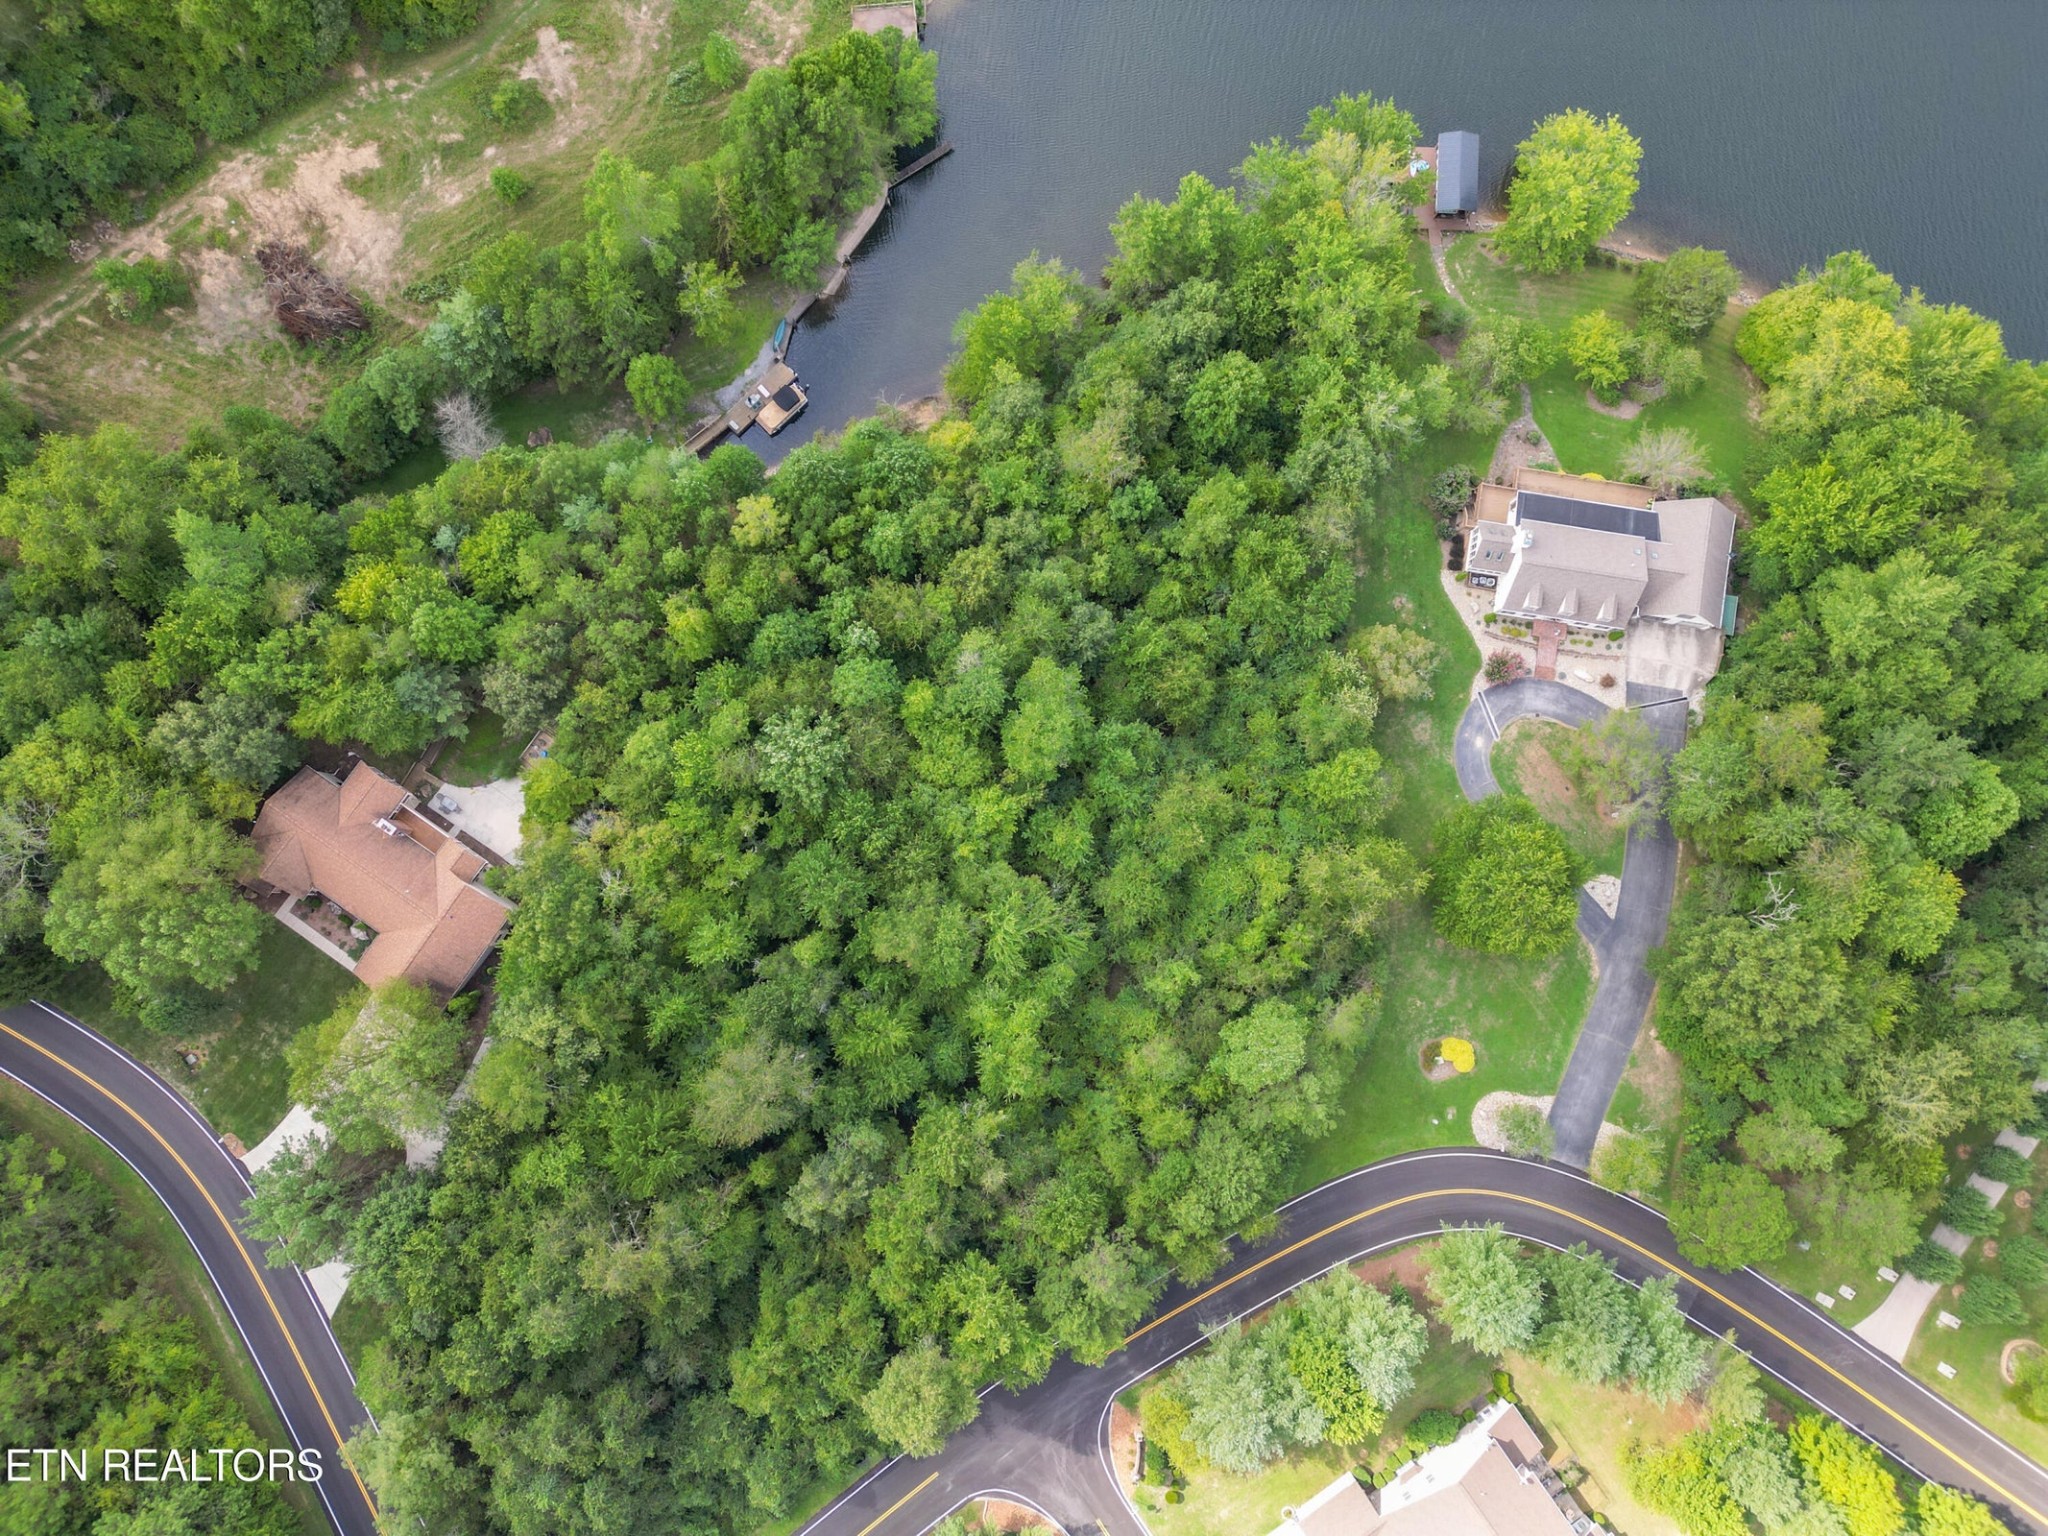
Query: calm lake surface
[(1778, 130)]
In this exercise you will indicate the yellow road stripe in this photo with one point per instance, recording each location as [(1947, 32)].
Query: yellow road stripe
[(885, 1514), (1629, 1243), (255, 1274)]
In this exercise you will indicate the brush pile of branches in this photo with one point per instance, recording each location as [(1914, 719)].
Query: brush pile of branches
[(310, 305)]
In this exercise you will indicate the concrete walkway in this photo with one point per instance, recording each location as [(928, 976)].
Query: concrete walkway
[(1892, 1326), (1621, 944)]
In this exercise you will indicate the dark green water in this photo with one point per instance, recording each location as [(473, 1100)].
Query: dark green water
[(1778, 130)]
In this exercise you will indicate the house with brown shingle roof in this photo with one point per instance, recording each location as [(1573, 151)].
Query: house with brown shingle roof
[(368, 846), (1492, 1480)]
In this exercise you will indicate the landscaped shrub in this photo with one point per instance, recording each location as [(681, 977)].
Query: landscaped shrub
[(1504, 1387), (1616, 634), (1505, 667), (1433, 1427), (1930, 1261), (1527, 1131), (2030, 1384), (2036, 1122), (1966, 1209), (2002, 1165), (2024, 1260), (1450, 492), (1988, 1299)]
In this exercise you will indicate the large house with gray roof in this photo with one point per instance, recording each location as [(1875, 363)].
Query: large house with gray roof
[(1600, 555)]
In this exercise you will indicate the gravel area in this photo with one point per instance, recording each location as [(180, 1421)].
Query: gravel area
[(1486, 1119)]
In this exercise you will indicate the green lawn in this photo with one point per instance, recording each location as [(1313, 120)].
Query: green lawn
[(145, 1224), (485, 754), (1809, 1272), (1595, 1427), (240, 1083), (1589, 441), (1522, 1017), (1525, 762), (1974, 1349)]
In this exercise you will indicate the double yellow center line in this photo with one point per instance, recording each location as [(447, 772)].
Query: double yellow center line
[(340, 1442), (1618, 1240)]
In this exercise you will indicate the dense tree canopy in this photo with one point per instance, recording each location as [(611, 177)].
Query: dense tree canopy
[(96, 1351), (1853, 969), (947, 902), (104, 102)]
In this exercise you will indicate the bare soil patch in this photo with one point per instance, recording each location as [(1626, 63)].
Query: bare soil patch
[(1622, 410), (772, 32)]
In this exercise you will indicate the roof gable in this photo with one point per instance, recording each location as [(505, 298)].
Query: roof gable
[(356, 842)]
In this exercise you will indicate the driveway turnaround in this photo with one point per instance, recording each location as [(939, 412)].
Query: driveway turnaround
[(1649, 875), (1048, 1446), (176, 1153)]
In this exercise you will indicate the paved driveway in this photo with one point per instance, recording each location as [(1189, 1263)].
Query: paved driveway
[(1649, 874)]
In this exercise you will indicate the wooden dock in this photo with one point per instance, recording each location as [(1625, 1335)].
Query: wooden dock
[(741, 416), (924, 161)]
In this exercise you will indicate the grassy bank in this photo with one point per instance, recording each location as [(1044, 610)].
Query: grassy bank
[(147, 1226), (1589, 440), (1523, 1018), (385, 173), (239, 1085), (1526, 761)]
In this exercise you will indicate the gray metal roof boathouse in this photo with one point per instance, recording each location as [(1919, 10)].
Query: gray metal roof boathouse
[(1457, 172)]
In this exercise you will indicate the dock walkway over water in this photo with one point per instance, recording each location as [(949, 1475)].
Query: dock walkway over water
[(741, 415)]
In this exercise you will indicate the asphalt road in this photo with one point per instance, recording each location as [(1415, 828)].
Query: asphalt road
[(176, 1153), (1048, 1445), (1649, 874)]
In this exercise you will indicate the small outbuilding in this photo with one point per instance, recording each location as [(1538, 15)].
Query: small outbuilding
[(778, 398), (1457, 172)]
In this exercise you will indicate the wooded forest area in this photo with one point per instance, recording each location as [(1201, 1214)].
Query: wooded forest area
[(953, 894), (105, 102), (1857, 971)]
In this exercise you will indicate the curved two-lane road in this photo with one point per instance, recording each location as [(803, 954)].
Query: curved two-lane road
[(1047, 1445), (176, 1153)]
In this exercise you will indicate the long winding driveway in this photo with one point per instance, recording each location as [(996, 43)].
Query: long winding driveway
[(158, 1134), (1048, 1446), (1649, 875)]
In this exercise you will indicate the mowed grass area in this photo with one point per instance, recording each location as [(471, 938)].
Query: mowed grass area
[(239, 1085), (1974, 1348), (1522, 1016), (489, 752), (1596, 1426), (147, 1226), (1526, 761), (1588, 440), (385, 174)]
